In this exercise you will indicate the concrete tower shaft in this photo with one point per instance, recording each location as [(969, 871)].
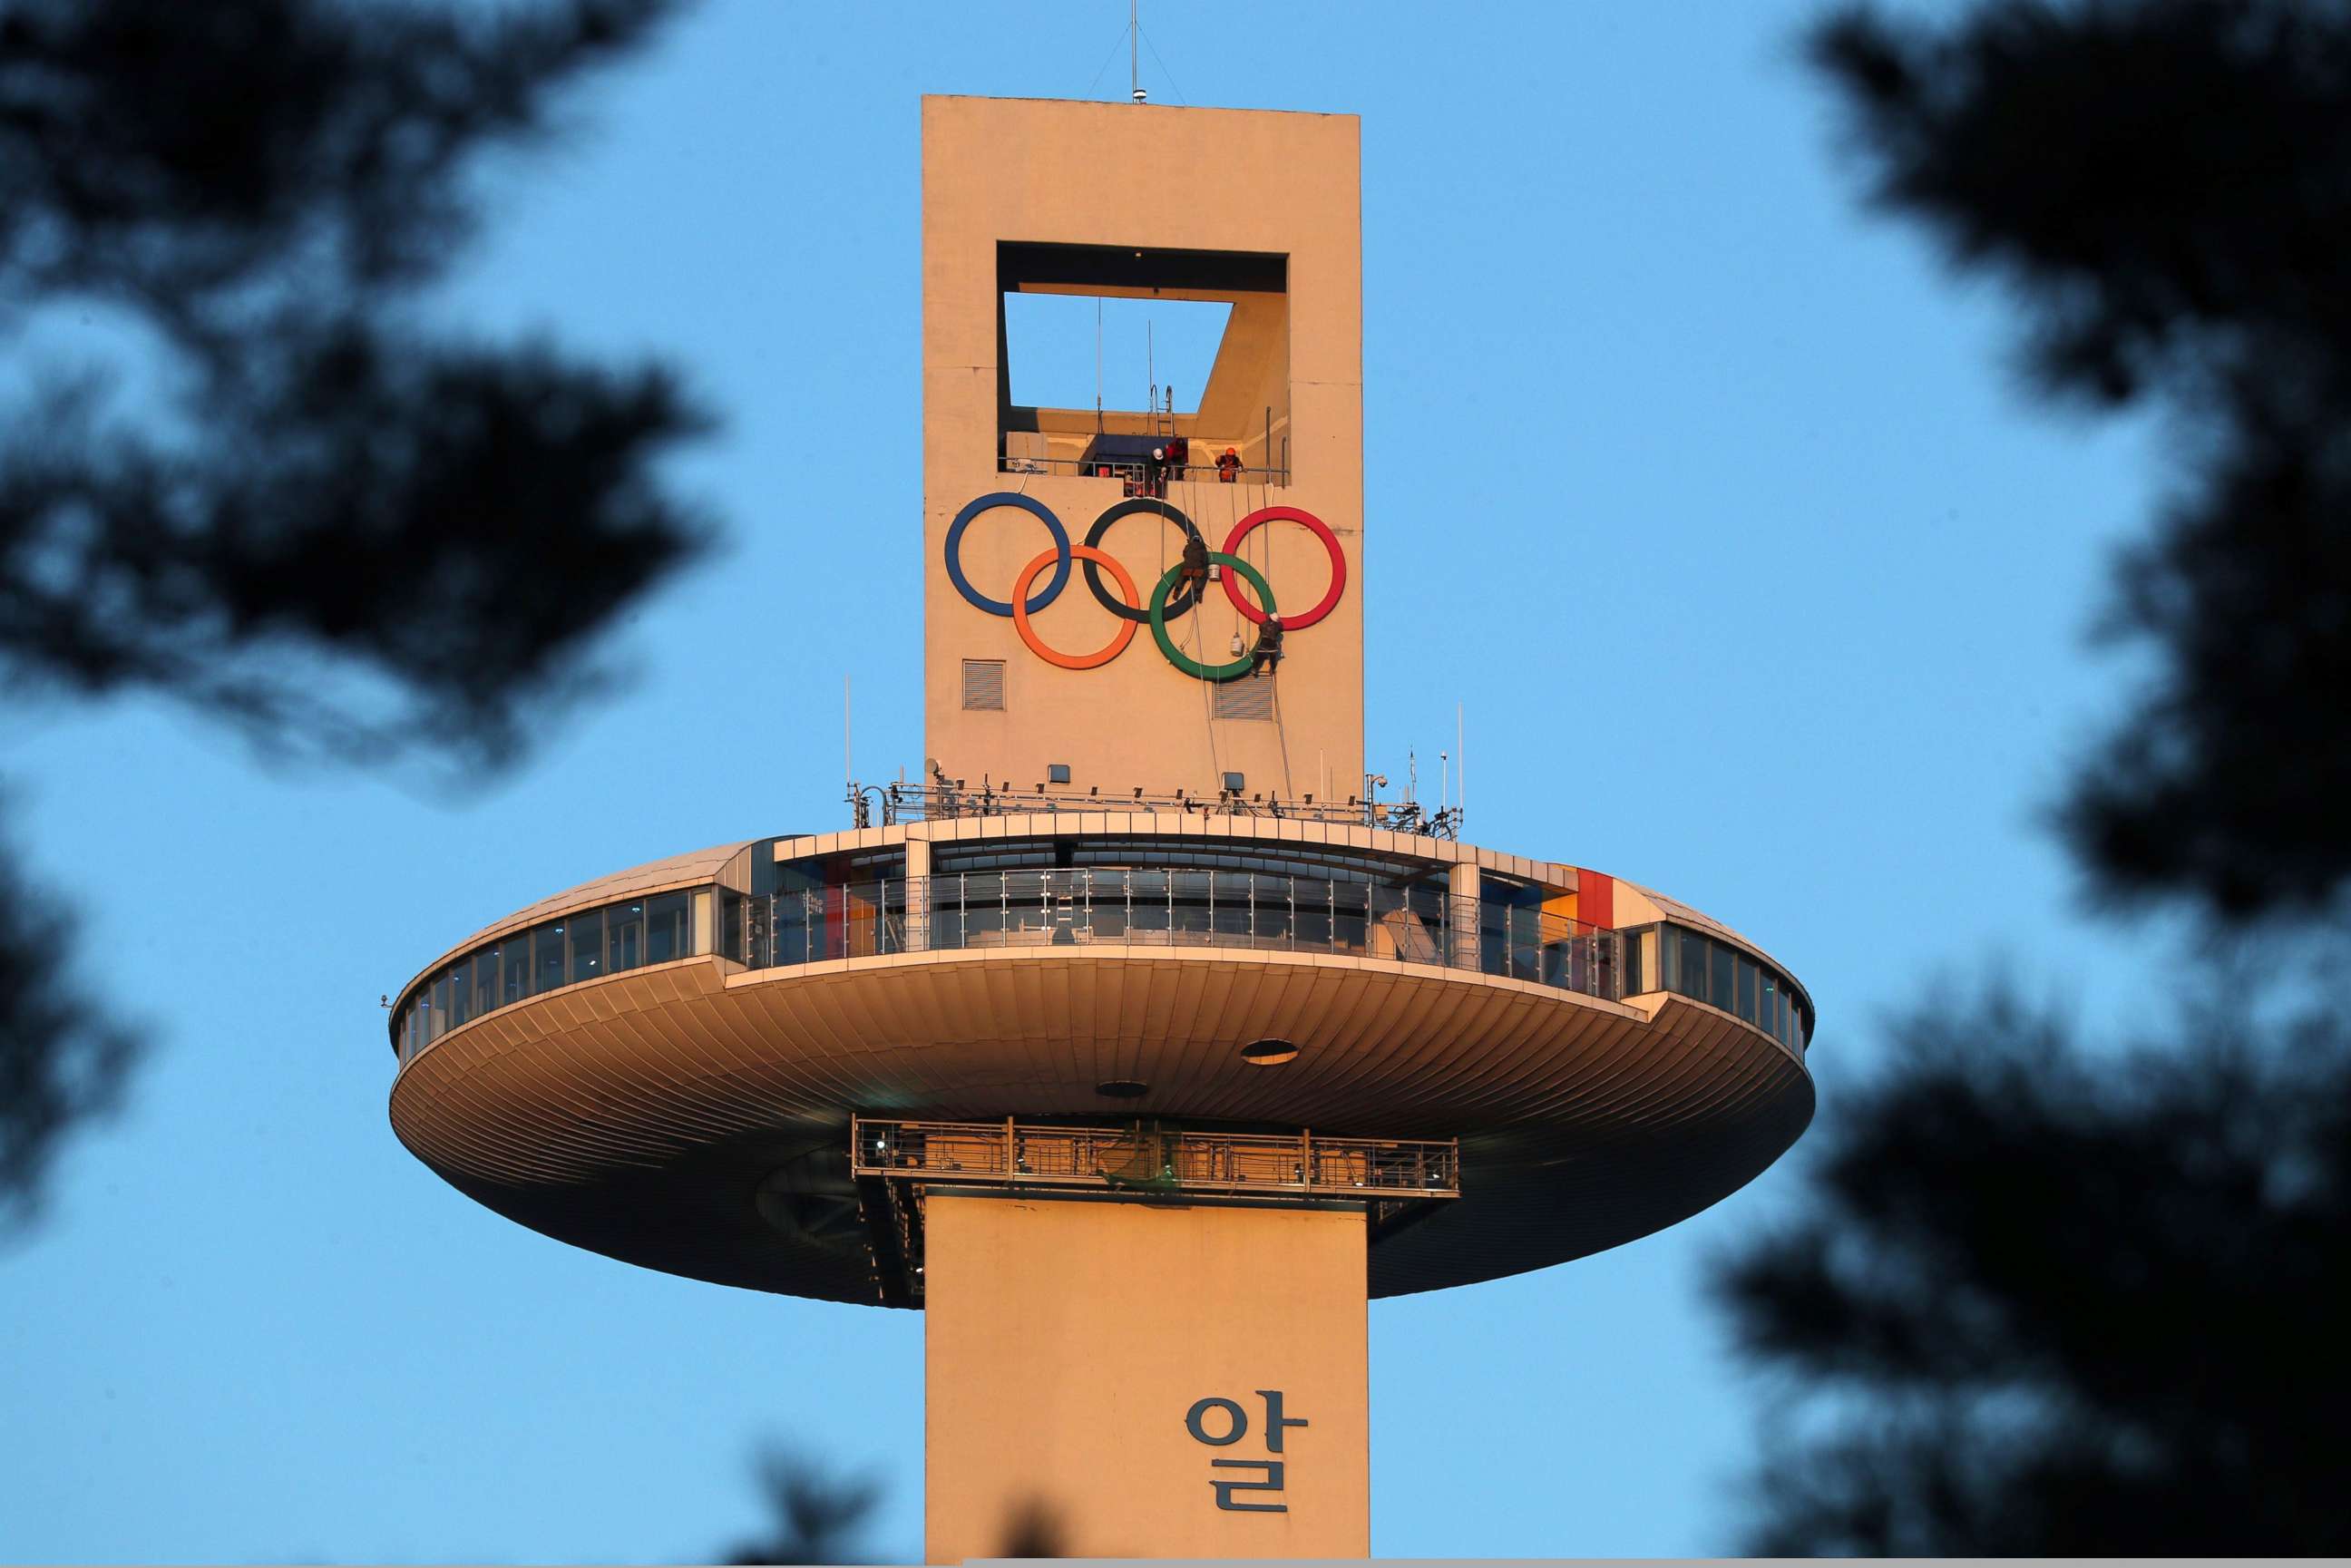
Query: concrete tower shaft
[(1260, 211)]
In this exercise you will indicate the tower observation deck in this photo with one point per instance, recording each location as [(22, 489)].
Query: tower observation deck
[(1139, 1044)]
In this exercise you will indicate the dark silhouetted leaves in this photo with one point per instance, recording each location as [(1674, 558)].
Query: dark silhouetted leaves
[(2166, 186), (2049, 1303), (325, 521), (818, 1516), (2065, 1305), (460, 521), (62, 1059)]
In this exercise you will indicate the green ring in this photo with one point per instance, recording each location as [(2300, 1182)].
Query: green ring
[(1176, 657)]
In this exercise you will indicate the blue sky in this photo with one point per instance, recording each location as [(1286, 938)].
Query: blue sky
[(1065, 348), (1712, 499)]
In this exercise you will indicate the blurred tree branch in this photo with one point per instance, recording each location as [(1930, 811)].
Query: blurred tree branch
[(818, 1516), (2075, 1305), (2045, 1300), (335, 529), (62, 1059), (2166, 184)]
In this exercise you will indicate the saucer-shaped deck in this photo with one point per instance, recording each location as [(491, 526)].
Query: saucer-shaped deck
[(692, 1114)]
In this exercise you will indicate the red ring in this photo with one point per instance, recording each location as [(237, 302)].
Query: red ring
[(1108, 651), (1313, 525)]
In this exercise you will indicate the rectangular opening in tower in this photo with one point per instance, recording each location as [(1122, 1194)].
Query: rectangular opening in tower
[(1121, 354), (1149, 367)]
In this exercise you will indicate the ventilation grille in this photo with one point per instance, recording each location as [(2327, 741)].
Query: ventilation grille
[(1251, 696), (983, 683)]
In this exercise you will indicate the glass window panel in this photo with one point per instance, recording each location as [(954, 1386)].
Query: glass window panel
[(1493, 936), (1353, 902), (587, 946), (1526, 942), (437, 1020), (1147, 903), (1188, 894), (485, 980), (1632, 942), (624, 936), (983, 909), (547, 958), (460, 993), (1747, 981), (1229, 896), (1719, 985), (946, 923), (669, 928), (1691, 980), (1024, 904), (1311, 904), (796, 923), (514, 959), (826, 906)]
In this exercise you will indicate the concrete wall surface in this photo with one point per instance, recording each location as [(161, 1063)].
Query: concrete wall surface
[(1075, 1352)]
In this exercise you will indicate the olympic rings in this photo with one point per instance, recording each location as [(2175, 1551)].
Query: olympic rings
[(1044, 513), (1100, 656), (1172, 596), (1181, 605), (1176, 657), (1314, 525)]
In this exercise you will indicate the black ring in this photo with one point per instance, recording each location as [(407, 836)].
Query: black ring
[(1189, 595)]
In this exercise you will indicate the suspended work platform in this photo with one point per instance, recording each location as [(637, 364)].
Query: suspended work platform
[(897, 1164)]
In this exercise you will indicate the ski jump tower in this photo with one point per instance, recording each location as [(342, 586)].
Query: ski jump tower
[(1140, 1043)]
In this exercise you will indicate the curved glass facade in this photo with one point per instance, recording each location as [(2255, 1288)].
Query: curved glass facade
[(1415, 922), (580, 946), (1670, 957), (1152, 891)]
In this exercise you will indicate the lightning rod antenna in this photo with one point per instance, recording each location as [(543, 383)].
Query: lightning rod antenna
[(1134, 59), (1460, 761)]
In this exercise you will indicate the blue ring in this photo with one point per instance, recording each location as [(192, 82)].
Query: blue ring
[(1043, 596)]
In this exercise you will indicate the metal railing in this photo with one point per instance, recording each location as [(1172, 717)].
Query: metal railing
[(937, 802), (1149, 1157), (1134, 471), (1256, 910)]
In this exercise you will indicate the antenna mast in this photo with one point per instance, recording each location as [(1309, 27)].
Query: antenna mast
[(1133, 59)]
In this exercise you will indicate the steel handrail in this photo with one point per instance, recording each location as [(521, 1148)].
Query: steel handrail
[(1182, 907), (1017, 1154)]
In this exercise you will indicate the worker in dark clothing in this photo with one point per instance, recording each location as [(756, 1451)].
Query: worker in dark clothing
[(1179, 456), (1269, 645), (1196, 565), (1155, 472), (1228, 466)]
